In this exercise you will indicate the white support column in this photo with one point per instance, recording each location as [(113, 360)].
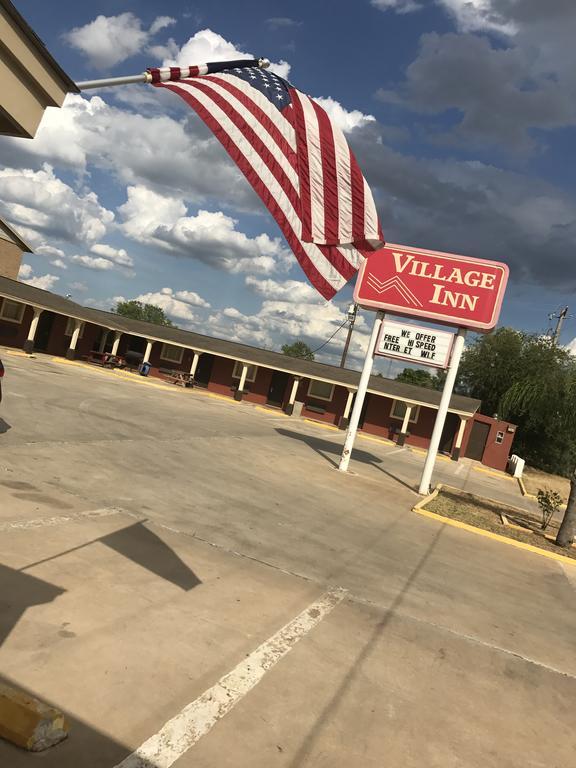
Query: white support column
[(406, 420), (293, 393), (241, 383), (71, 351), (103, 340), (195, 359), (116, 342), (29, 343), (149, 344), (362, 387), (346, 415), (459, 438), (442, 411)]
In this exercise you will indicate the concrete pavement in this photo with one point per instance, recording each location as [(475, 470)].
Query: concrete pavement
[(152, 538)]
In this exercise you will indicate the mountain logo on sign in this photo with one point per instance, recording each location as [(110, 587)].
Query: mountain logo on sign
[(393, 283)]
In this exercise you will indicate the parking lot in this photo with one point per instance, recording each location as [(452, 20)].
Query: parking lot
[(156, 541)]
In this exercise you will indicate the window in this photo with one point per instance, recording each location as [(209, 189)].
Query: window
[(399, 411), (70, 325), (171, 353), (499, 437), (251, 375), (12, 311), (321, 390)]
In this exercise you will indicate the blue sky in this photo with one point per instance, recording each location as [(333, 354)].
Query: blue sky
[(462, 114)]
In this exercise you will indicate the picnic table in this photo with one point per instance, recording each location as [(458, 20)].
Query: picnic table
[(181, 378), (106, 360)]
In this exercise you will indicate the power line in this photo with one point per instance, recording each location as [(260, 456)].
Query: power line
[(331, 337)]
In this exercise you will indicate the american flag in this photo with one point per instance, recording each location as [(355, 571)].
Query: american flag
[(296, 159)]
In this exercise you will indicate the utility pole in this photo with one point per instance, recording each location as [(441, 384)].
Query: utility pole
[(561, 316), (352, 312)]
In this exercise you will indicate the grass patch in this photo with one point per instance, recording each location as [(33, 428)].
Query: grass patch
[(485, 514), (535, 479)]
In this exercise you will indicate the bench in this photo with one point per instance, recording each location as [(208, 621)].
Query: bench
[(180, 378)]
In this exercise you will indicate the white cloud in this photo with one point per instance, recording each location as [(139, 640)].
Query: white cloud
[(91, 262), (282, 22), (42, 202), (478, 16), (207, 45), (571, 347), (46, 282), (210, 237), (344, 119), (108, 40), (400, 6), (25, 271), (279, 322), (170, 156), (289, 290), (176, 304), (78, 286), (60, 263), (117, 255), (190, 297), (49, 250), (469, 15)]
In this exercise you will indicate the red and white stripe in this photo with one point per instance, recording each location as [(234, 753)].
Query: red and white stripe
[(301, 167)]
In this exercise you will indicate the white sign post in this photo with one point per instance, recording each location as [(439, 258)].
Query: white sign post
[(360, 394), (442, 411)]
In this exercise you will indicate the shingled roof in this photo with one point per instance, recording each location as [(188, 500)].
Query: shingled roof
[(15, 290)]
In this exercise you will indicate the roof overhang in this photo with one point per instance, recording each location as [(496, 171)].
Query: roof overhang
[(31, 78)]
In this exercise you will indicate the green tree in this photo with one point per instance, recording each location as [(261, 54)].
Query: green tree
[(507, 358), (137, 310), (298, 349), (422, 378), (552, 399)]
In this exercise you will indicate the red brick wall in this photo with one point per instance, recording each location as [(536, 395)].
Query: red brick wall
[(333, 409), (221, 380), (495, 454), (157, 362), (378, 421), (259, 387), (14, 334)]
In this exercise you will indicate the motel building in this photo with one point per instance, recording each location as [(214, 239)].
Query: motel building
[(40, 321)]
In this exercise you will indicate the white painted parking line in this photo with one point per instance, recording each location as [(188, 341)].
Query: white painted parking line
[(396, 450), (198, 718), (47, 522)]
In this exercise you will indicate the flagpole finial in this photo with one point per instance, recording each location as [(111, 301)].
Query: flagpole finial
[(263, 63)]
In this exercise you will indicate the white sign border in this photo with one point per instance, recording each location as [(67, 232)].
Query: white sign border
[(408, 358)]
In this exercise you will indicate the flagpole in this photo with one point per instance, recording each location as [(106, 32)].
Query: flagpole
[(171, 73), (145, 77)]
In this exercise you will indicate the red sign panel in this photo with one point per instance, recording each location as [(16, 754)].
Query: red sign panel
[(443, 287)]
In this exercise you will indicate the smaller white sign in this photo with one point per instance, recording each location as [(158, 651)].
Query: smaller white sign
[(414, 343)]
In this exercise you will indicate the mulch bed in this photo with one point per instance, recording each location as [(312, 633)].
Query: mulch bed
[(485, 514)]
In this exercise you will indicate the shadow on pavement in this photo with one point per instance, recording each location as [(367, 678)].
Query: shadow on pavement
[(322, 447), (19, 591), (4, 427), (85, 747), (307, 746), (143, 547)]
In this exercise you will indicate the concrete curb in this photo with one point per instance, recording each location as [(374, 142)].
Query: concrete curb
[(523, 490), (28, 722), (494, 473), (427, 499), (419, 509)]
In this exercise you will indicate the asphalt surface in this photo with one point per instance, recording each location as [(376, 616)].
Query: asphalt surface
[(153, 538)]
